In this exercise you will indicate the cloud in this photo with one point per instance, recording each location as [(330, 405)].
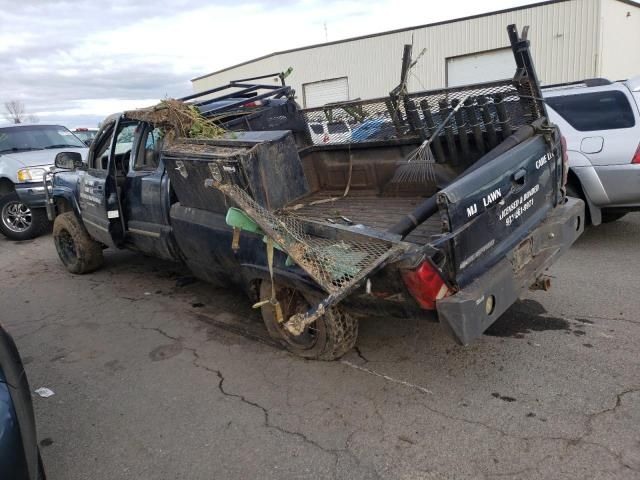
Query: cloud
[(77, 61)]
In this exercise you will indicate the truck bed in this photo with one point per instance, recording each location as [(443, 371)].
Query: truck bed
[(369, 209)]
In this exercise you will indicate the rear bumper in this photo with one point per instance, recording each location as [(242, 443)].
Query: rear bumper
[(31, 194), (622, 184), (610, 185), (464, 315)]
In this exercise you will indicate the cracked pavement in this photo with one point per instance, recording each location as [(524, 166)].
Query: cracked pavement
[(157, 377)]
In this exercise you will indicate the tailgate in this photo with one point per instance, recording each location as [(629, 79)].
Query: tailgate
[(495, 209)]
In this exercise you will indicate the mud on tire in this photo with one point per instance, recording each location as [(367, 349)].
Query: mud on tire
[(77, 250), (329, 338)]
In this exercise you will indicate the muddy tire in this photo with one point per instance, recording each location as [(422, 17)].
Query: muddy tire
[(77, 250), (329, 338), (19, 222)]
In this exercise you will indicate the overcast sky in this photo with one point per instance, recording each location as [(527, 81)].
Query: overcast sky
[(74, 62)]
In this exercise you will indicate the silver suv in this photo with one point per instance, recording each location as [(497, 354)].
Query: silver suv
[(26, 153), (600, 121)]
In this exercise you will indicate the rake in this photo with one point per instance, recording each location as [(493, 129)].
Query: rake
[(418, 167)]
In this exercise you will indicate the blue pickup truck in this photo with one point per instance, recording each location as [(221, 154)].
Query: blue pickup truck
[(316, 234)]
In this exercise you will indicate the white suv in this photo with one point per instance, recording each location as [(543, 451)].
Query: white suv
[(600, 121), (330, 132)]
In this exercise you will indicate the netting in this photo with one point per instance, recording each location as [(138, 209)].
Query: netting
[(335, 264), (490, 113)]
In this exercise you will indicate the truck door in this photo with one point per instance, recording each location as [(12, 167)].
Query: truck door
[(100, 188), (148, 197)]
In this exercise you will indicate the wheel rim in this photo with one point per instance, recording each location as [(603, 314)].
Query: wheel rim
[(66, 247), (292, 302), (16, 216)]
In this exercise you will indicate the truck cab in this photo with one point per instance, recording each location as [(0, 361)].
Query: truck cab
[(122, 190)]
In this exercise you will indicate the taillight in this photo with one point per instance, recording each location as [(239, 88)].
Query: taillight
[(565, 160), (636, 157), (426, 285)]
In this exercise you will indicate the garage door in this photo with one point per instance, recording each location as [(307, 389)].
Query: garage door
[(480, 67), (320, 93)]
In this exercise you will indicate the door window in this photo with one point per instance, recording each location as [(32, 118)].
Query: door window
[(124, 142), (317, 128), (589, 112), (100, 158), (337, 127), (149, 152)]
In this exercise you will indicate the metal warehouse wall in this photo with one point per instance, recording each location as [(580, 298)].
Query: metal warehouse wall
[(564, 39), (620, 37)]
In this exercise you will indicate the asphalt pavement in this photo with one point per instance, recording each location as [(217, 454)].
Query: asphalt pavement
[(157, 376)]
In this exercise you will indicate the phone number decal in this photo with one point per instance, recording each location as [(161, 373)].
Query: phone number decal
[(515, 209)]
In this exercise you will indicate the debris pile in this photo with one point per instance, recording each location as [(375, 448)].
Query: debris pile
[(178, 119)]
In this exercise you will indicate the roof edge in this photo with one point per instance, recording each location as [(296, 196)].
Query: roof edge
[(398, 30)]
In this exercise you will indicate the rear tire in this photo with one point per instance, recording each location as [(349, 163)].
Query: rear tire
[(18, 221), (576, 192), (329, 338), (572, 191), (608, 217), (77, 250)]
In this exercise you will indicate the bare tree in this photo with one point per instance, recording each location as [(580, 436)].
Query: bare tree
[(14, 111), (31, 118)]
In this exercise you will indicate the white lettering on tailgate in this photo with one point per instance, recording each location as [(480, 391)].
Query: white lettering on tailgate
[(472, 210), (516, 208), (542, 161), (487, 200), (492, 197)]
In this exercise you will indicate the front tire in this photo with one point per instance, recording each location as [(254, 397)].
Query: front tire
[(77, 250), (18, 221), (329, 338)]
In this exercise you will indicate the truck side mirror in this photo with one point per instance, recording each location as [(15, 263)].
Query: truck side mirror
[(68, 160)]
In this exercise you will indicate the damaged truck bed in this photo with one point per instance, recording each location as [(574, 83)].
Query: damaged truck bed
[(449, 207)]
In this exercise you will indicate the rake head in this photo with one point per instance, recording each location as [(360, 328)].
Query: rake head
[(418, 167)]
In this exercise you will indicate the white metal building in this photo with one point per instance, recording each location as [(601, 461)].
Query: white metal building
[(570, 40)]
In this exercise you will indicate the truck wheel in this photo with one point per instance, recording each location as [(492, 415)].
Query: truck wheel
[(19, 222), (77, 250), (608, 217), (329, 338), (575, 191)]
